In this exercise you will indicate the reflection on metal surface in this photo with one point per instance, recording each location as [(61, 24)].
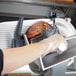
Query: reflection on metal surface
[(60, 3)]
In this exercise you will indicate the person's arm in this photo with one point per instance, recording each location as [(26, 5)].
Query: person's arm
[(17, 57)]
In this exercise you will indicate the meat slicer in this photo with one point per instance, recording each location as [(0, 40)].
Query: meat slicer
[(51, 64)]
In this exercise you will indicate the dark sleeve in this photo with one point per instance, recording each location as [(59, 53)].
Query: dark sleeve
[(75, 1), (1, 61)]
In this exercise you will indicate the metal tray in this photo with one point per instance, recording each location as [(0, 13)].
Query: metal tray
[(28, 8)]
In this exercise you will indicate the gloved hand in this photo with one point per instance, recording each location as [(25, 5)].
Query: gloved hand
[(56, 43)]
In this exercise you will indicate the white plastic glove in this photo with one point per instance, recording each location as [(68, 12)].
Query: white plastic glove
[(56, 43)]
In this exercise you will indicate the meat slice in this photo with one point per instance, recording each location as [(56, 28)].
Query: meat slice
[(36, 29)]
